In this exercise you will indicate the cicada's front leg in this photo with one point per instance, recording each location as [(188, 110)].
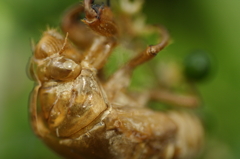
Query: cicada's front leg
[(100, 19), (33, 111), (77, 31), (96, 34)]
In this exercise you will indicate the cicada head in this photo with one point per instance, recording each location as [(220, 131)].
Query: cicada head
[(55, 59)]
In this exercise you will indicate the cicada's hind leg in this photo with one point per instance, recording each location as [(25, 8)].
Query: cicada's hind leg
[(121, 78), (171, 98)]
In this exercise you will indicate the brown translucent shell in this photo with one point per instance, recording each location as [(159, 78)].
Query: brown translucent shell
[(83, 114)]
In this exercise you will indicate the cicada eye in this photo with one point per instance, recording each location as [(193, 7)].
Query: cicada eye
[(63, 69)]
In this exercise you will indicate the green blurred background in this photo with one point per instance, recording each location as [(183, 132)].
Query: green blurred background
[(211, 25)]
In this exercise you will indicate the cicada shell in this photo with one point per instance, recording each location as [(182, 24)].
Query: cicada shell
[(81, 115)]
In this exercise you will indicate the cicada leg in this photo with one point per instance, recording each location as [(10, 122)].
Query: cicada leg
[(121, 78), (96, 43), (151, 51), (167, 97), (100, 20), (78, 32), (99, 51), (33, 111), (35, 114), (171, 98)]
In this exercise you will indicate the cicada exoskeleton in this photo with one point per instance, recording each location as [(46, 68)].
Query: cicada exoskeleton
[(79, 114)]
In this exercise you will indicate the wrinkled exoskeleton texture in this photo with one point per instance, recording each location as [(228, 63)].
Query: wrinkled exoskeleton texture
[(81, 115)]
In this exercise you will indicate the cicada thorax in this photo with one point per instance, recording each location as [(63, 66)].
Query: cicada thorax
[(69, 97), (70, 106)]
